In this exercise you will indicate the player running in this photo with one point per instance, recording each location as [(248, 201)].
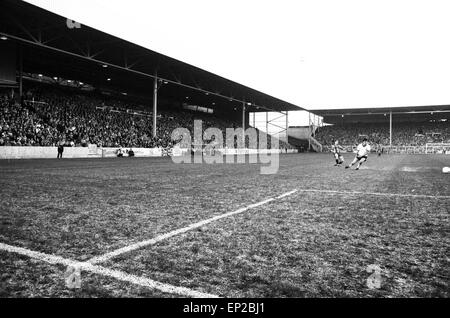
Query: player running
[(379, 149), (362, 152), (336, 149)]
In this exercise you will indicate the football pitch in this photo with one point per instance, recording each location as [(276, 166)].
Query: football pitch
[(147, 227)]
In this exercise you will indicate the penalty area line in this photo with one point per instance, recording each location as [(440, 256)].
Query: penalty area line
[(100, 270), (138, 245), (377, 194)]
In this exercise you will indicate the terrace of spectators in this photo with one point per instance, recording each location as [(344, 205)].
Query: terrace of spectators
[(395, 126), (52, 114)]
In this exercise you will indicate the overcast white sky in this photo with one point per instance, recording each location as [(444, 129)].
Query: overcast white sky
[(314, 54)]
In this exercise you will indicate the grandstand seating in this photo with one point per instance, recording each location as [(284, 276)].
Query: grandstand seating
[(53, 115), (404, 134)]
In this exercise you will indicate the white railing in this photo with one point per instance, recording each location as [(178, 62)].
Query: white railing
[(404, 149), (431, 148), (437, 148)]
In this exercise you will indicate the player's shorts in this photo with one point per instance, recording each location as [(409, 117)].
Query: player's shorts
[(362, 157)]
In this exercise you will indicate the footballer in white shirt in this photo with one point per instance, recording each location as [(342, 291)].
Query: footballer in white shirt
[(336, 149), (362, 152)]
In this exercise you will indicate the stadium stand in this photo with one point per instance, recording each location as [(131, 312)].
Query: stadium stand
[(405, 134), (50, 115)]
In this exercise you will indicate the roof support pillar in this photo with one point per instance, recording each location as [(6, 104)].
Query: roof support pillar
[(310, 131), (390, 128), (155, 104), (20, 72), (287, 126), (243, 123)]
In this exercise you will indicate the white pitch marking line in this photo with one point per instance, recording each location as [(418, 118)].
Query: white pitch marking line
[(132, 247), (119, 275), (286, 194), (378, 194)]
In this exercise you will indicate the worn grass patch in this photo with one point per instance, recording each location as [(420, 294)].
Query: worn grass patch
[(23, 277), (305, 245)]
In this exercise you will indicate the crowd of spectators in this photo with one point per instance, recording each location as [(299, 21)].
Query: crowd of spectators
[(51, 116), (404, 134)]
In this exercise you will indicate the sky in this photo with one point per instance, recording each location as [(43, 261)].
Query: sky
[(314, 54)]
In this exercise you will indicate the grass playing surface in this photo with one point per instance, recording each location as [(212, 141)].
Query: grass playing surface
[(307, 244)]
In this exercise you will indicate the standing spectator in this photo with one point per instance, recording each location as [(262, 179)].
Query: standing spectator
[(60, 151)]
